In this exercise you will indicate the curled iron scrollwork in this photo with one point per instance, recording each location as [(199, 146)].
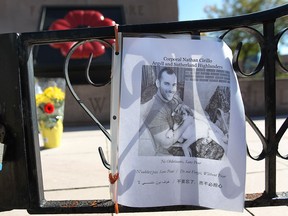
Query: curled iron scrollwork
[(284, 126), (261, 156), (74, 94), (235, 60), (241, 73), (279, 135), (236, 66), (278, 38)]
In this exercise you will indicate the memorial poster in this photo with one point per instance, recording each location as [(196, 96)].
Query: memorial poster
[(180, 124)]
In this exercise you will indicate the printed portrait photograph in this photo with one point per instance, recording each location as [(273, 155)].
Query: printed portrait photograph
[(185, 112)]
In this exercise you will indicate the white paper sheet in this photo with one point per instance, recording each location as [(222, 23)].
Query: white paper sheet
[(206, 165)]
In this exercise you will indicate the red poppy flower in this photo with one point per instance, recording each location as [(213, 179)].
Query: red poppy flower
[(82, 19), (49, 108)]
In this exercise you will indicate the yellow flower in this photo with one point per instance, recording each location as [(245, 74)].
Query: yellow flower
[(54, 93), (52, 96), (41, 98)]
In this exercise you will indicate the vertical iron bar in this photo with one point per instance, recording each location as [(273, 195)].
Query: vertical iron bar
[(270, 108), (31, 128)]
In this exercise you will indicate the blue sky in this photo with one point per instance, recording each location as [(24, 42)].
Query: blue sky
[(194, 9)]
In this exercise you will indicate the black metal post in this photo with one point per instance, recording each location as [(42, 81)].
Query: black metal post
[(31, 128), (270, 108), (21, 178)]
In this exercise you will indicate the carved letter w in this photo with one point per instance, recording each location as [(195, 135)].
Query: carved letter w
[(97, 104)]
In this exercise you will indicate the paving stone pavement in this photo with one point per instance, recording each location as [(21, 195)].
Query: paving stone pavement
[(74, 171)]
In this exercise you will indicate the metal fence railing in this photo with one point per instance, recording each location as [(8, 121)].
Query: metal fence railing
[(23, 154)]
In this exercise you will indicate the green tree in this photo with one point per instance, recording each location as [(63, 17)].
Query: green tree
[(239, 7), (250, 49)]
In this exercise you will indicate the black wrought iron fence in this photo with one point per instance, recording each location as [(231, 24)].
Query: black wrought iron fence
[(18, 112)]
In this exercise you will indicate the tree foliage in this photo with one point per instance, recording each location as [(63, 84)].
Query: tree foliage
[(239, 7), (250, 50)]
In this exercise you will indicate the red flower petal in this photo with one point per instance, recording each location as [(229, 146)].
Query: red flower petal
[(91, 16), (98, 48), (49, 108), (60, 24), (110, 41), (79, 19), (94, 47), (108, 22), (75, 18)]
